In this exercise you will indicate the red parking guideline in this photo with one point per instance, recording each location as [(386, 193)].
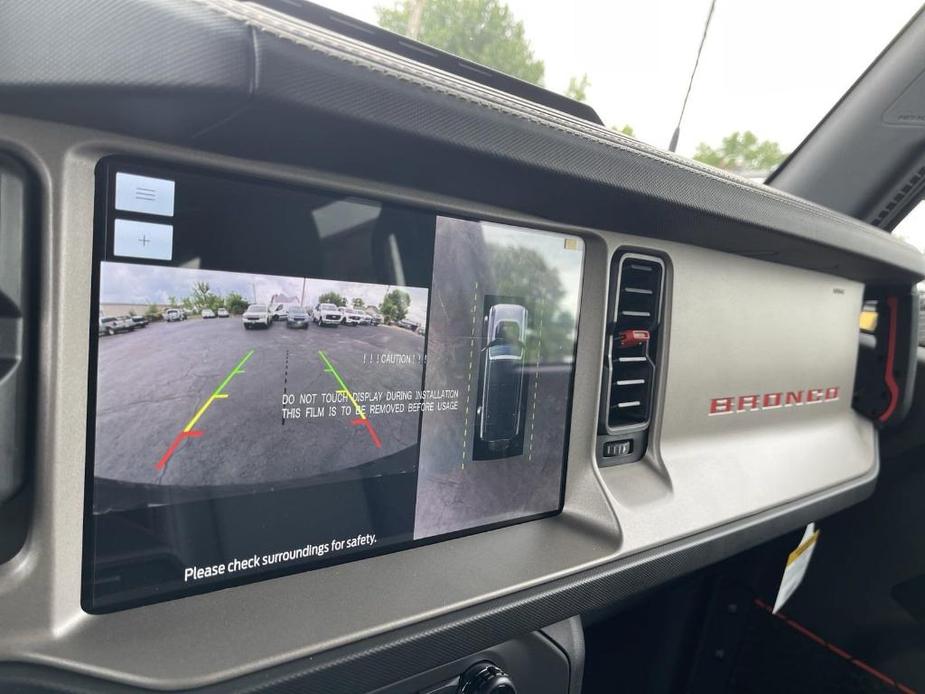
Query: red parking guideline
[(162, 463), (361, 419), (369, 427)]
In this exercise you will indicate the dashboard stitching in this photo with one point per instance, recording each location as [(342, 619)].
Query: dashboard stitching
[(361, 55)]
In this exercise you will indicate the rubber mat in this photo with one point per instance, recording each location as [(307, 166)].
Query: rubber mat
[(911, 596), (781, 656)]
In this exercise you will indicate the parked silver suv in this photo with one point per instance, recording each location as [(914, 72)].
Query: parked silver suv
[(256, 316)]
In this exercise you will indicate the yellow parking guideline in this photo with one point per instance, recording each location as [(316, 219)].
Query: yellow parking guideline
[(217, 394), (343, 386)]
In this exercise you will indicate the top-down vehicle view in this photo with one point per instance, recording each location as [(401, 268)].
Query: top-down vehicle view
[(625, 395), (501, 394)]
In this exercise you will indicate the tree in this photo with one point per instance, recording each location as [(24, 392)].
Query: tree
[(741, 152), (483, 31), (200, 295), (172, 301), (627, 130), (578, 88), (153, 312), (358, 303), (332, 298), (516, 272), (235, 303), (394, 306), (203, 297)]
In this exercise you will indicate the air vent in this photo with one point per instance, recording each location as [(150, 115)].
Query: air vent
[(631, 359)]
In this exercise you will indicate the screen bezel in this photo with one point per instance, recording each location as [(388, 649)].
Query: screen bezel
[(104, 191)]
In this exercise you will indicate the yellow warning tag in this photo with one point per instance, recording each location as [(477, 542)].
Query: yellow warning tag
[(797, 564), (805, 545)]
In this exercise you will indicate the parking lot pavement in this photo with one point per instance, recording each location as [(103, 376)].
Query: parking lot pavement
[(200, 402)]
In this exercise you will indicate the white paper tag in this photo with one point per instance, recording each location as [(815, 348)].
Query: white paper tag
[(797, 563)]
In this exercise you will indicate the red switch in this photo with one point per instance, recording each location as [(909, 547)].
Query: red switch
[(632, 338)]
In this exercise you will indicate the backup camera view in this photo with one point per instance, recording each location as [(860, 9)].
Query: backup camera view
[(252, 424), (292, 381)]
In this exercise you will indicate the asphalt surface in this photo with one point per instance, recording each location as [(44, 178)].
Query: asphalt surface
[(456, 492), (152, 383)]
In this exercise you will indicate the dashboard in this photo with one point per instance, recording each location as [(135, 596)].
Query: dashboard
[(354, 394)]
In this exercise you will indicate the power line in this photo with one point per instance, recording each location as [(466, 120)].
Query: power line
[(673, 145)]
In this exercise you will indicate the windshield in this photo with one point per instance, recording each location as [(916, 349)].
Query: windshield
[(328, 307), (257, 308), (768, 73)]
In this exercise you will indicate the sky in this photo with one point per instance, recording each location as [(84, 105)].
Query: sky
[(772, 67), (912, 229), (125, 283)]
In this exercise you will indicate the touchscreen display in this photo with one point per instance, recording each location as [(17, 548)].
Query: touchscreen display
[(284, 379)]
